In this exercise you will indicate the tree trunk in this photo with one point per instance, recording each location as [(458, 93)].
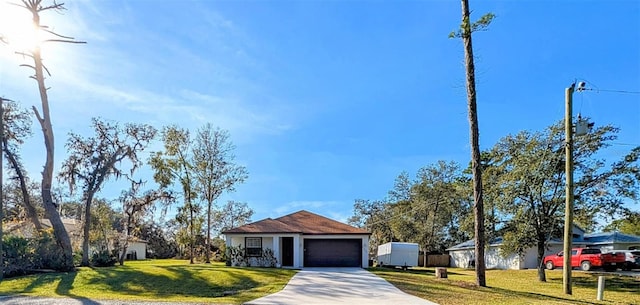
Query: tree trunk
[(125, 245), (208, 241), (192, 239), (191, 228), (542, 277), (478, 207), (26, 199), (59, 231), (424, 257), (86, 229), (1, 191)]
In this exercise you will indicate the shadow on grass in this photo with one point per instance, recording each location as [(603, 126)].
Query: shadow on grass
[(41, 281), (612, 282), (66, 284), (421, 271), (619, 284), (162, 281), (537, 296), (192, 280)]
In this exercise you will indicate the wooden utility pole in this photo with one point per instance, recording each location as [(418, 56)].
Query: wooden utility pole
[(568, 212)]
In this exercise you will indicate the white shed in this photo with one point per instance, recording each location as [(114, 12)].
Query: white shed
[(137, 249)]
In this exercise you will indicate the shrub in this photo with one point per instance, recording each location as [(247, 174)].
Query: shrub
[(25, 255), (235, 256), (18, 254), (49, 255), (103, 259)]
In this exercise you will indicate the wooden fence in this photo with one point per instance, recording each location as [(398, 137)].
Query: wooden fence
[(434, 260)]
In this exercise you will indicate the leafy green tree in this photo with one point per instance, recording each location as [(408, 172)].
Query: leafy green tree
[(215, 172), (437, 190), (628, 223), (70, 209), (531, 180), (175, 165), (104, 224), (17, 127), (14, 208), (94, 160), (232, 214), (160, 244), (134, 207), (493, 219), (427, 211), (373, 216), (188, 229)]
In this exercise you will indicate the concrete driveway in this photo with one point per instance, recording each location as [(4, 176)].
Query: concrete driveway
[(339, 286)]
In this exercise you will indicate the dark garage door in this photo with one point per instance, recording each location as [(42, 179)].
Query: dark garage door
[(333, 252)]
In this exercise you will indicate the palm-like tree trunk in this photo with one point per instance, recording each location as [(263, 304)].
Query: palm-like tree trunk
[(478, 207)]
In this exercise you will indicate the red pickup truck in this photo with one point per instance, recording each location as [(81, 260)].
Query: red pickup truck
[(586, 259)]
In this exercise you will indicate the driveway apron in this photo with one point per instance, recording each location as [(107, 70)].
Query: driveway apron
[(339, 286)]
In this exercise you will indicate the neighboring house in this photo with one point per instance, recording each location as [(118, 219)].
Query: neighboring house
[(26, 229), (613, 241), (137, 248), (300, 239), (462, 255)]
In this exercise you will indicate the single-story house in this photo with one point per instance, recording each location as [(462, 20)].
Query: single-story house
[(26, 229), (300, 239), (462, 255), (136, 249)]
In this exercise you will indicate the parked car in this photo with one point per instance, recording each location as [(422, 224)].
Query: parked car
[(586, 258), (632, 258)]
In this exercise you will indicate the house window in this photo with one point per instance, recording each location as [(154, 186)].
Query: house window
[(254, 246)]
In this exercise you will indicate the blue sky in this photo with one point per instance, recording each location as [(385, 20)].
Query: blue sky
[(328, 101)]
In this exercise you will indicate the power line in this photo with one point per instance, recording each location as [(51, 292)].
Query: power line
[(621, 91), (582, 82), (610, 90), (625, 144)]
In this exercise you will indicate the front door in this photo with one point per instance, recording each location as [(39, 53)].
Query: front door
[(287, 251)]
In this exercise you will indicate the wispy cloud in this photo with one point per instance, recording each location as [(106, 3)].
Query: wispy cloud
[(184, 75)]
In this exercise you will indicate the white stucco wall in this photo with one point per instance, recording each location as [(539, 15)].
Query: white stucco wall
[(273, 242), (530, 259), (493, 260), (269, 241), (139, 248)]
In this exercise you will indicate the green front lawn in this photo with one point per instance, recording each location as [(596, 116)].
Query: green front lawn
[(176, 280), (510, 287), (162, 280)]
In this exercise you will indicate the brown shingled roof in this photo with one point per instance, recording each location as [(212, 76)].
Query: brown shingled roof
[(264, 226), (299, 222)]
